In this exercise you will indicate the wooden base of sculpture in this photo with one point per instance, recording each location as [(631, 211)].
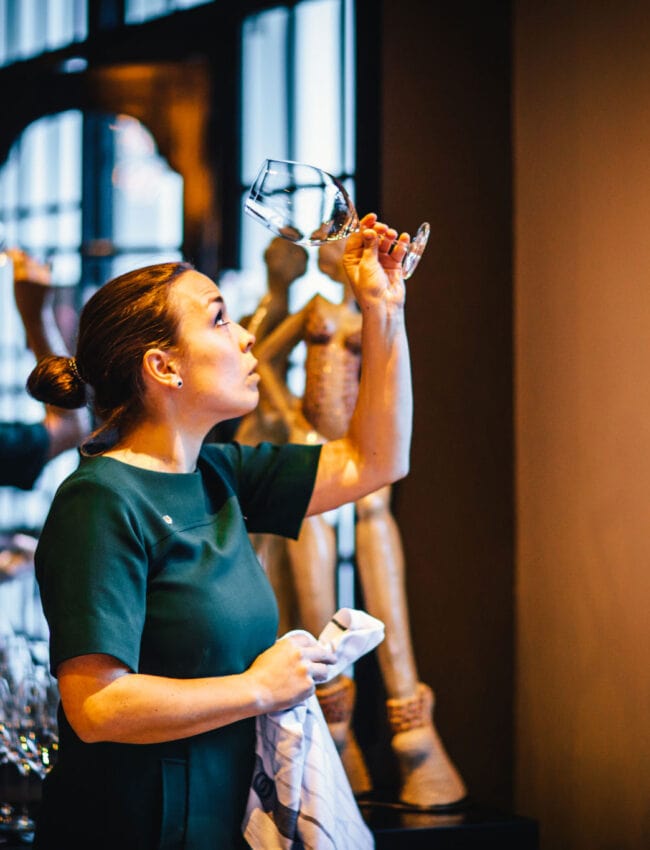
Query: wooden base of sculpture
[(336, 699), (428, 776)]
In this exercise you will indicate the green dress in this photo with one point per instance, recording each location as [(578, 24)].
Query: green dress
[(156, 569)]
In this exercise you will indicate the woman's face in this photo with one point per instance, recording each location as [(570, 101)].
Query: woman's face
[(215, 362)]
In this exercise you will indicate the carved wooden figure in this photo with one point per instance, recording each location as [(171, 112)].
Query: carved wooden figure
[(332, 334), (285, 262)]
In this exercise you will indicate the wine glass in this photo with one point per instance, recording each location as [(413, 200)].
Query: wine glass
[(309, 206)]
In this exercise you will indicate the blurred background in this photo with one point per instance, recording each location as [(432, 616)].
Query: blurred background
[(130, 131)]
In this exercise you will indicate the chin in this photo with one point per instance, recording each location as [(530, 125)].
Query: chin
[(250, 407)]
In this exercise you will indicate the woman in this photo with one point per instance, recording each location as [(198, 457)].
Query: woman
[(26, 448), (162, 622)]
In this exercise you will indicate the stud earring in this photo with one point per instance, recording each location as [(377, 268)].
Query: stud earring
[(179, 383)]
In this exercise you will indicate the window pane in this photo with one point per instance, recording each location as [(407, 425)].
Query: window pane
[(66, 266), (9, 185), (349, 106), (147, 194), (30, 27), (4, 34), (318, 85), (137, 11), (186, 4), (310, 120), (69, 130), (265, 107), (40, 211), (35, 162), (127, 262), (66, 22)]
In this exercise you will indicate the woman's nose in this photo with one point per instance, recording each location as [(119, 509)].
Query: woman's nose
[(247, 340)]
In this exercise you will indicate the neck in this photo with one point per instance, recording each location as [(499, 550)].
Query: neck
[(156, 447)]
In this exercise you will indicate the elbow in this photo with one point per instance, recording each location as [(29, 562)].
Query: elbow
[(403, 470), (88, 729), (89, 723), (87, 736), (398, 472), (400, 467), (389, 475), (390, 472)]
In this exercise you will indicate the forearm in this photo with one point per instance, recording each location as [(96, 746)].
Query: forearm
[(375, 450), (141, 709), (43, 335), (103, 701), (34, 302), (381, 425)]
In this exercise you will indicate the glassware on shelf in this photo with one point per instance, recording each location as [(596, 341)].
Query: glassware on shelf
[(307, 205), (28, 730)]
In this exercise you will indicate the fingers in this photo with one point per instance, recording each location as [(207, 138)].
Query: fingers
[(310, 649), (385, 239), (320, 673), (319, 654), (320, 661), (398, 248), (368, 221), (300, 638), (316, 658)]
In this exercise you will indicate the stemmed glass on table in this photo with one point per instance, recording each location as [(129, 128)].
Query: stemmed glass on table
[(28, 729), (307, 205)]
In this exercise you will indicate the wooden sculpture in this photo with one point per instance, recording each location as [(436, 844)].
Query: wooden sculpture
[(332, 335)]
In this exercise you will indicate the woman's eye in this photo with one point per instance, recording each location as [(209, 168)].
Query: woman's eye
[(220, 319)]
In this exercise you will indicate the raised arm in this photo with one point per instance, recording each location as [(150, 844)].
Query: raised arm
[(33, 297), (375, 451)]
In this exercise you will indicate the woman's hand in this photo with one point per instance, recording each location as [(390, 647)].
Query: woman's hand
[(287, 672), (373, 262)]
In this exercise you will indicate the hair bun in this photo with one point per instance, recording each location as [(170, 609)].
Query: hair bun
[(57, 381), (74, 368)]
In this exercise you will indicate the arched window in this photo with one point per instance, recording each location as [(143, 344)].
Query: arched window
[(90, 194), (76, 187)]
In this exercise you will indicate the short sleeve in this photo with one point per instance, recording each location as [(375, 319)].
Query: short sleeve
[(23, 453), (273, 483), (91, 566)]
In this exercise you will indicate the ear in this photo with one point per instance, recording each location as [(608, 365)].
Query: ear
[(160, 366)]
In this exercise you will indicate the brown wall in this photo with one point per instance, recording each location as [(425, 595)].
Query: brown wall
[(446, 157), (582, 154)]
